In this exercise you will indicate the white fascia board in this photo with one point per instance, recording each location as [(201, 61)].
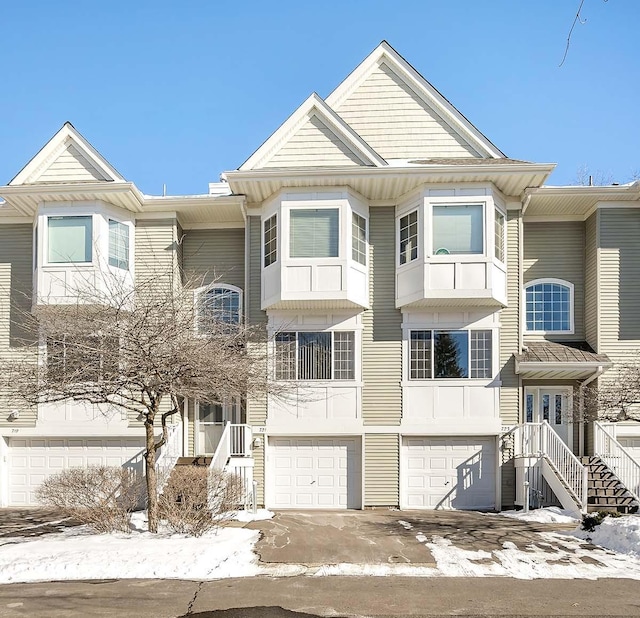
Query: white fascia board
[(313, 104), (68, 131), (421, 87), (523, 368)]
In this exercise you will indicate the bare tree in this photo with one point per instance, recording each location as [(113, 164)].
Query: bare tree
[(143, 348), (588, 178), (616, 397)]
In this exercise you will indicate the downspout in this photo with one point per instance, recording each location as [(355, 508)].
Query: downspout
[(598, 372)]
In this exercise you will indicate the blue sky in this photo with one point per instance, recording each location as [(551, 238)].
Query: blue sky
[(177, 92)]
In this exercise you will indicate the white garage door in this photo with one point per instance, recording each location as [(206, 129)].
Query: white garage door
[(31, 460), (314, 473), (631, 445), (449, 473)]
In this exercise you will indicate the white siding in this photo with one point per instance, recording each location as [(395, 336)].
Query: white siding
[(71, 166)]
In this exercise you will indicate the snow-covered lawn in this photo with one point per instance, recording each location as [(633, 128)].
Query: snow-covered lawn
[(77, 553), (547, 515)]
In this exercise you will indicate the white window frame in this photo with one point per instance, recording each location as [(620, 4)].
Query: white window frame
[(212, 286), (504, 235), (126, 227), (562, 282), (308, 206), (264, 244), (432, 329), (365, 253), (332, 379), (45, 240), (457, 202), (419, 252)]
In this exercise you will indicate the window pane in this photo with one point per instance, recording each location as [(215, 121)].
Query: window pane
[(548, 307), (70, 239), (558, 409), (270, 240), (545, 407), (420, 355), (218, 306), (457, 229), (286, 356), (480, 353), (529, 409), (118, 244), (499, 236), (210, 413), (359, 239), (409, 237), (314, 233), (343, 355), (451, 354), (314, 356)]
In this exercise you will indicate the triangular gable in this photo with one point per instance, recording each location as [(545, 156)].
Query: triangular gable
[(66, 158), (402, 115), (314, 136)]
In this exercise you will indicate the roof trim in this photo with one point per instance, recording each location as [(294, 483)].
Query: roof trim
[(313, 105), (32, 170), (426, 91)]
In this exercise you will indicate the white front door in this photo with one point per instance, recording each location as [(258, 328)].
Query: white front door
[(553, 405), (211, 419)]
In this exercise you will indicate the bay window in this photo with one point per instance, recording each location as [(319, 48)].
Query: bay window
[(314, 232), (457, 229), (315, 355), (450, 354), (70, 239)]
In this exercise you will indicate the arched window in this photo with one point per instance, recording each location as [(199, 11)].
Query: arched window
[(217, 305), (549, 306)]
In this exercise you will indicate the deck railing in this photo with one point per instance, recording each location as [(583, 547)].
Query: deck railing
[(617, 459)]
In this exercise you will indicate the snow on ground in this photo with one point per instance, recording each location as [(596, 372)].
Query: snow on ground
[(620, 534), (547, 515), (259, 515)]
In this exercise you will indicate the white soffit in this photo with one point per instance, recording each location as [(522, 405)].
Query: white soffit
[(384, 53), (70, 143), (313, 106)]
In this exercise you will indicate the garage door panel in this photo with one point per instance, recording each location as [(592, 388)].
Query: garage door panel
[(32, 460), (320, 473), (445, 472)]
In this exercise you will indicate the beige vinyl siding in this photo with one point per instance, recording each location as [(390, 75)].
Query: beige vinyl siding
[(618, 285), (396, 123), (591, 327), (214, 255), (381, 469), (258, 471), (16, 285), (314, 145), (382, 333), (509, 345), (71, 166), (156, 242), (557, 250)]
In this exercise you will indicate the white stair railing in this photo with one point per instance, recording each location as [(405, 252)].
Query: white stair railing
[(240, 440), (617, 459), (169, 453)]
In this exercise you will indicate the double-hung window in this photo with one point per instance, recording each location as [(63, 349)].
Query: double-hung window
[(409, 237), (458, 229), (358, 239), (549, 306), (69, 239), (499, 235), (314, 232), (218, 308), (118, 244), (450, 354), (270, 240), (315, 355)]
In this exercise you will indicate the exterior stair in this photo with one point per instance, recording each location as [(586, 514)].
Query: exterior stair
[(194, 461), (605, 491)]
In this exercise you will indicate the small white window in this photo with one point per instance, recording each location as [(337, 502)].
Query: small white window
[(359, 239), (499, 235), (409, 237), (118, 244), (549, 306), (218, 308), (457, 229), (70, 240), (314, 232), (270, 240)]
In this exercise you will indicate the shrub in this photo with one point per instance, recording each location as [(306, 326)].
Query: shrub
[(591, 520), (196, 500), (100, 496)]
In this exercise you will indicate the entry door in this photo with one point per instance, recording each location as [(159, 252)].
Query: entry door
[(552, 405), (212, 418)]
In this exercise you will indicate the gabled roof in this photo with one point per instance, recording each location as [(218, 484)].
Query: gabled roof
[(385, 55), (314, 107), (67, 158)]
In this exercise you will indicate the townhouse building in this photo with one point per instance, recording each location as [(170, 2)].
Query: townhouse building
[(435, 307)]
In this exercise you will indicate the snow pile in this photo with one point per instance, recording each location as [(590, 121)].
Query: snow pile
[(247, 516), (547, 515), (621, 534)]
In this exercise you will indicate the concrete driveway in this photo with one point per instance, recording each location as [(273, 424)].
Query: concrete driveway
[(389, 536)]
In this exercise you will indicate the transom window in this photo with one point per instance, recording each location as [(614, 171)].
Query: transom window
[(450, 354), (118, 244), (457, 229), (314, 232), (270, 240), (315, 355), (549, 306), (358, 238), (70, 239), (217, 306), (409, 237)]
